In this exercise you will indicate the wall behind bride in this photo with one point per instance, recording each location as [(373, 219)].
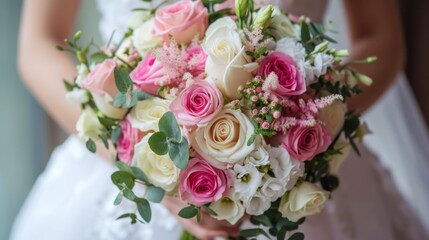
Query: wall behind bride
[(27, 134)]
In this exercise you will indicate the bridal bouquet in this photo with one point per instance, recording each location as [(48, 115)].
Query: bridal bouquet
[(235, 108)]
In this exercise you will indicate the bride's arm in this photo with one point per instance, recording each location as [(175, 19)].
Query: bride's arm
[(44, 24), (375, 30)]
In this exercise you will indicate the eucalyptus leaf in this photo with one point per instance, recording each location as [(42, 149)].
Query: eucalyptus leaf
[(297, 236), (158, 143), (104, 140), (99, 57), (210, 211), (188, 212), (122, 80), (69, 86), (154, 194), (249, 233), (141, 96), (122, 177), (139, 174), (179, 153), (128, 193), (169, 126), (118, 199), (120, 100), (144, 210), (116, 134), (263, 219), (123, 167), (90, 145)]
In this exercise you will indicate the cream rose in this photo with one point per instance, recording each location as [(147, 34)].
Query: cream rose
[(104, 103), (304, 200), (226, 57), (228, 209), (88, 126), (146, 114), (333, 116), (223, 141), (144, 39), (160, 170)]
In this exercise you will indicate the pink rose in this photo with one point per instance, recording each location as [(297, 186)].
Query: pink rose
[(101, 79), (304, 143), (290, 81), (182, 21), (196, 57), (129, 138), (148, 74), (197, 104), (202, 183)]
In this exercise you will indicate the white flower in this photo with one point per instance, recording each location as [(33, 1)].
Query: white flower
[(285, 167), (226, 57), (144, 39), (294, 49), (223, 141), (280, 26), (160, 170), (333, 116), (273, 188), (335, 161), (88, 126), (228, 209), (123, 52), (83, 72), (78, 96), (321, 63), (146, 114), (257, 204), (246, 181), (138, 18), (259, 157), (104, 103), (305, 200)]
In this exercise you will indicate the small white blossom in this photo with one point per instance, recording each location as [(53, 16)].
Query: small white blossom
[(83, 72), (321, 63), (273, 188), (259, 157), (78, 96), (257, 204), (246, 182), (284, 166)]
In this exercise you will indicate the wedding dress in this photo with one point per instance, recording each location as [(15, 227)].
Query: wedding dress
[(73, 198)]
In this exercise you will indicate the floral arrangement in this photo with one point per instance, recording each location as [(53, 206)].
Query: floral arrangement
[(233, 107)]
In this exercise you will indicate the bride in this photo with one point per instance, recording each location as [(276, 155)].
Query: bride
[(73, 198)]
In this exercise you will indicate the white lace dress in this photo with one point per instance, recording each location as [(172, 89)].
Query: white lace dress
[(73, 198)]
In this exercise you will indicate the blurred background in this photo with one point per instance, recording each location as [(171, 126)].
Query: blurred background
[(28, 135)]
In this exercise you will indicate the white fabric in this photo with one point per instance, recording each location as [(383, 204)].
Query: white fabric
[(73, 198)]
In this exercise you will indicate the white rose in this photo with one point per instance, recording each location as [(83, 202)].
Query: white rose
[(304, 200), (228, 209), (143, 38), (146, 114), (257, 205), (223, 141), (226, 57), (246, 181), (285, 167), (83, 72), (78, 96), (88, 126), (258, 157), (273, 188), (160, 170), (335, 161), (333, 116), (104, 103)]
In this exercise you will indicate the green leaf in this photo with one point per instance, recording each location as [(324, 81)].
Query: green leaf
[(297, 236), (90, 145), (179, 153), (123, 167), (128, 193), (122, 177), (158, 143), (128, 215), (141, 96), (118, 199), (169, 126), (187, 236), (263, 219), (99, 57), (107, 122), (281, 234), (198, 215), (69, 86), (138, 173), (122, 80), (154, 194), (210, 211), (252, 232), (144, 210), (188, 212), (116, 133), (120, 100), (104, 140)]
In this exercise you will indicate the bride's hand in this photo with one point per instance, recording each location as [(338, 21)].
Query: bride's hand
[(208, 228)]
